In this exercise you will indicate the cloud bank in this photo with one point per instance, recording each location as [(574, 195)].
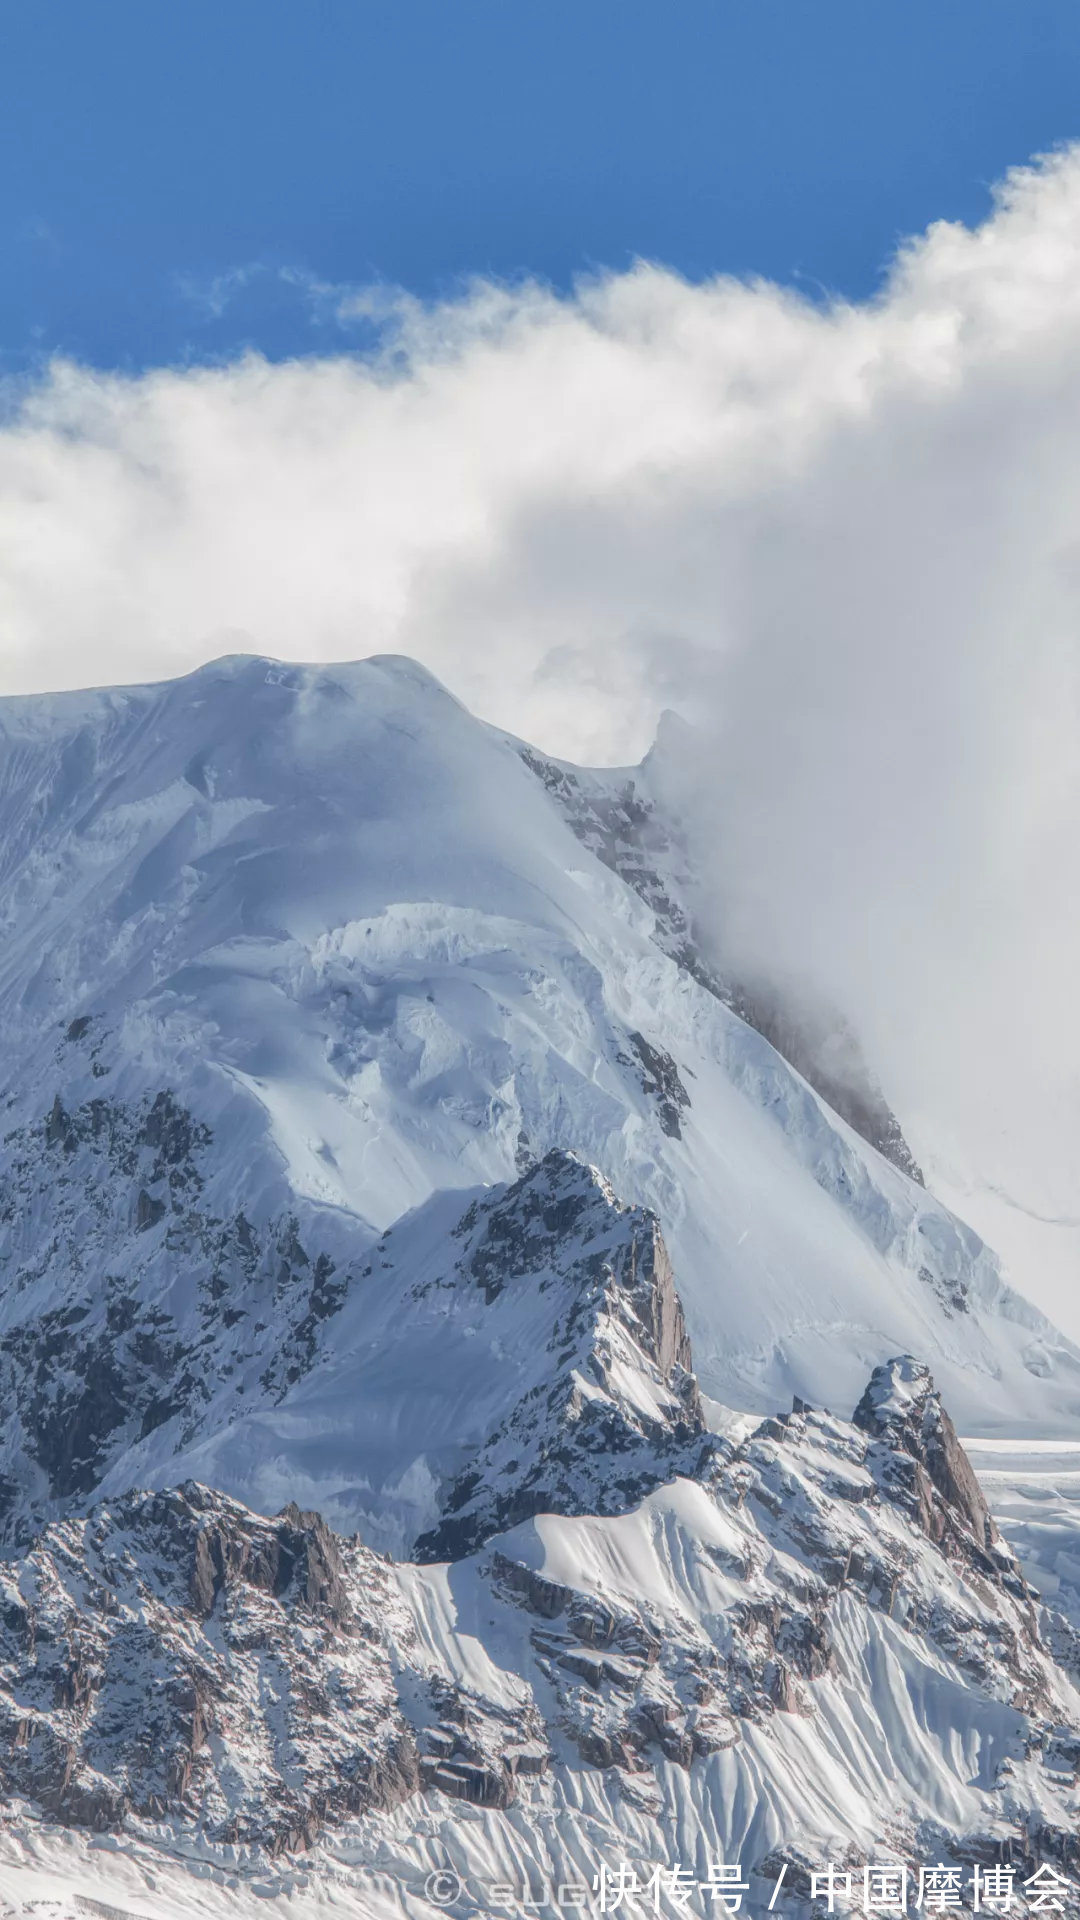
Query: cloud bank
[(845, 539)]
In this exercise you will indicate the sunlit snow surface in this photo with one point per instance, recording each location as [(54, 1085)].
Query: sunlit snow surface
[(895, 1731), (351, 930), (1033, 1490)]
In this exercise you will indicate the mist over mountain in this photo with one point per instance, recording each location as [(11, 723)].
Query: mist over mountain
[(438, 1298), (838, 537)]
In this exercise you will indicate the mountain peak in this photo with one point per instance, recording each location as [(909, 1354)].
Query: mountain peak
[(364, 1098), (902, 1409)]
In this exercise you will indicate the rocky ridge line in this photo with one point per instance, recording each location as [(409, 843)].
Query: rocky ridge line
[(174, 1658)]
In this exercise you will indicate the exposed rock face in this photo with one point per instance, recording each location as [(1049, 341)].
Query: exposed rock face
[(298, 1553), (562, 1218), (169, 1324), (902, 1413), (831, 1491), (617, 1408), (174, 1658), (660, 1079), (129, 1302), (131, 1649)]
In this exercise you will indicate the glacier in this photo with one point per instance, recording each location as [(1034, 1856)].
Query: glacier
[(390, 1181)]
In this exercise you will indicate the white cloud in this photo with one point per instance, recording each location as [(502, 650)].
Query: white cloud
[(848, 537)]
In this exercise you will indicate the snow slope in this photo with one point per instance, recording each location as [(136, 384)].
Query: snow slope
[(525, 1353), (816, 1649), (374, 1141), (1033, 1487), (286, 952)]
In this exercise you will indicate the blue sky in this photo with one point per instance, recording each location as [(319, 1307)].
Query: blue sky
[(179, 182), (848, 536)]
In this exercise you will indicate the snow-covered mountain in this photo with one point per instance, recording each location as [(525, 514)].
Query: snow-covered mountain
[(815, 1649), (381, 1144), (524, 1353), (288, 951)]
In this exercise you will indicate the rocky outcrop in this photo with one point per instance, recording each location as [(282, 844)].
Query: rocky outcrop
[(128, 1301), (920, 1463), (131, 1645), (299, 1556), (822, 1485), (174, 1659), (617, 1410), (661, 1080)]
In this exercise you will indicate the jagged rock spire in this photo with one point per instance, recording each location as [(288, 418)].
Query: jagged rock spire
[(902, 1409)]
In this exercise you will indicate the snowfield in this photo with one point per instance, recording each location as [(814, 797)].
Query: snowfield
[(377, 1144)]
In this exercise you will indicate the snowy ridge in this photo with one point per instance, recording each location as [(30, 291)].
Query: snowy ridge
[(344, 929), (522, 1353), (787, 1659), (380, 1176)]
